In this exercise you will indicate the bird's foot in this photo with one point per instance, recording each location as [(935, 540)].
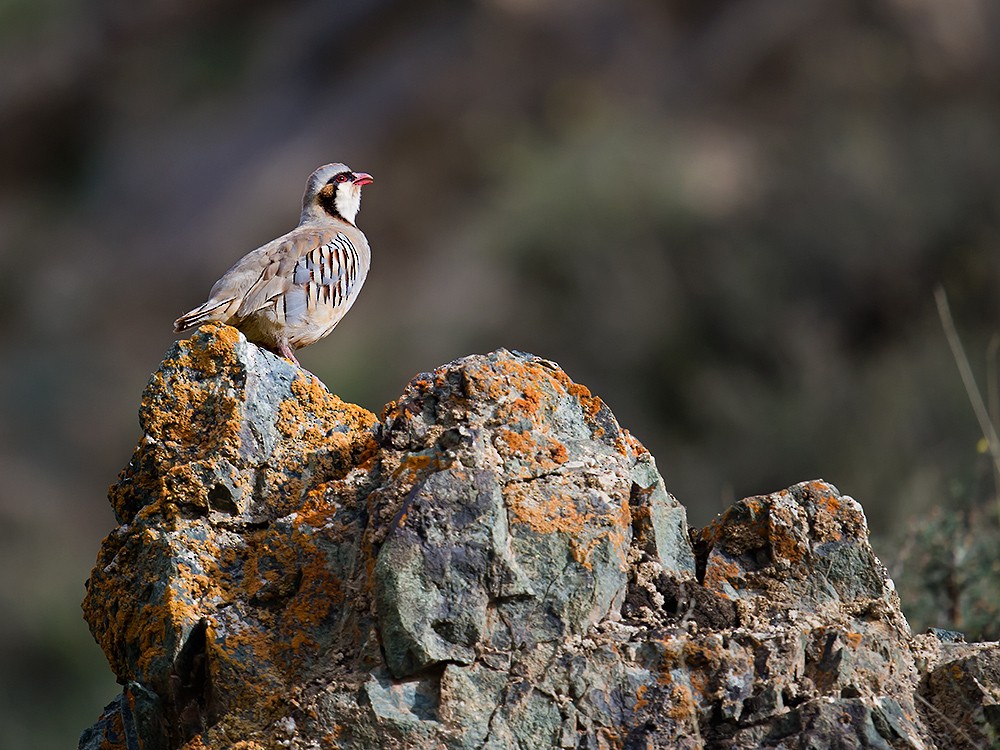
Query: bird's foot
[(286, 351)]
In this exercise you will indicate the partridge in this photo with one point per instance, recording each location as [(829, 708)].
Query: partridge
[(294, 290)]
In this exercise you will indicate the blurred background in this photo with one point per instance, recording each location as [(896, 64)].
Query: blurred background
[(725, 218)]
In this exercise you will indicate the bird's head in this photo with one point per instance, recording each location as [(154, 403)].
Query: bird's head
[(334, 190)]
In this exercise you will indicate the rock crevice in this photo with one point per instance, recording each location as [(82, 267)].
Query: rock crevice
[(494, 562)]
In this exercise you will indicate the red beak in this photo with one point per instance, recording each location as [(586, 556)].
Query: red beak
[(362, 178)]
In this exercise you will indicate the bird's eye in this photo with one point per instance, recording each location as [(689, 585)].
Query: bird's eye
[(343, 177)]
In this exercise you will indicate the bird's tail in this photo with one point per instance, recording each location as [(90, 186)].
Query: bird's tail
[(207, 313)]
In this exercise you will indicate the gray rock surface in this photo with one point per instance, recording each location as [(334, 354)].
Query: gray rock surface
[(495, 563)]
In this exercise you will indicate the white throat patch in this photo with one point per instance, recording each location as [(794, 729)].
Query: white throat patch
[(348, 200)]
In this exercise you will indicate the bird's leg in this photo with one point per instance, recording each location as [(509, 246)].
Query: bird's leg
[(286, 351)]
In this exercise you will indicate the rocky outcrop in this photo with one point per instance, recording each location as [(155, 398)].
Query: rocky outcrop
[(494, 563)]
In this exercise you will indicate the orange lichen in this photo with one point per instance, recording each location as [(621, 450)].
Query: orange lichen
[(317, 592), (418, 464), (331, 738), (249, 654), (518, 443), (828, 524), (556, 512), (538, 452), (192, 416), (853, 639), (633, 443), (530, 401), (311, 412), (591, 404), (539, 384), (581, 550), (558, 452), (682, 704), (214, 351), (640, 698), (699, 653), (552, 513), (784, 544), (316, 511), (197, 587), (816, 486), (197, 407), (721, 571), (211, 351)]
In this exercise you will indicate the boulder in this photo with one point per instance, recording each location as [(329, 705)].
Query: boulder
[(492, 563)]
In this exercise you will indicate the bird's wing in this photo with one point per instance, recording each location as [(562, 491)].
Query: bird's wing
[(318, 265)]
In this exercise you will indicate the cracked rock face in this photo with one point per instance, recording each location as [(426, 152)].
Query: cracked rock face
[(493, 563)]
